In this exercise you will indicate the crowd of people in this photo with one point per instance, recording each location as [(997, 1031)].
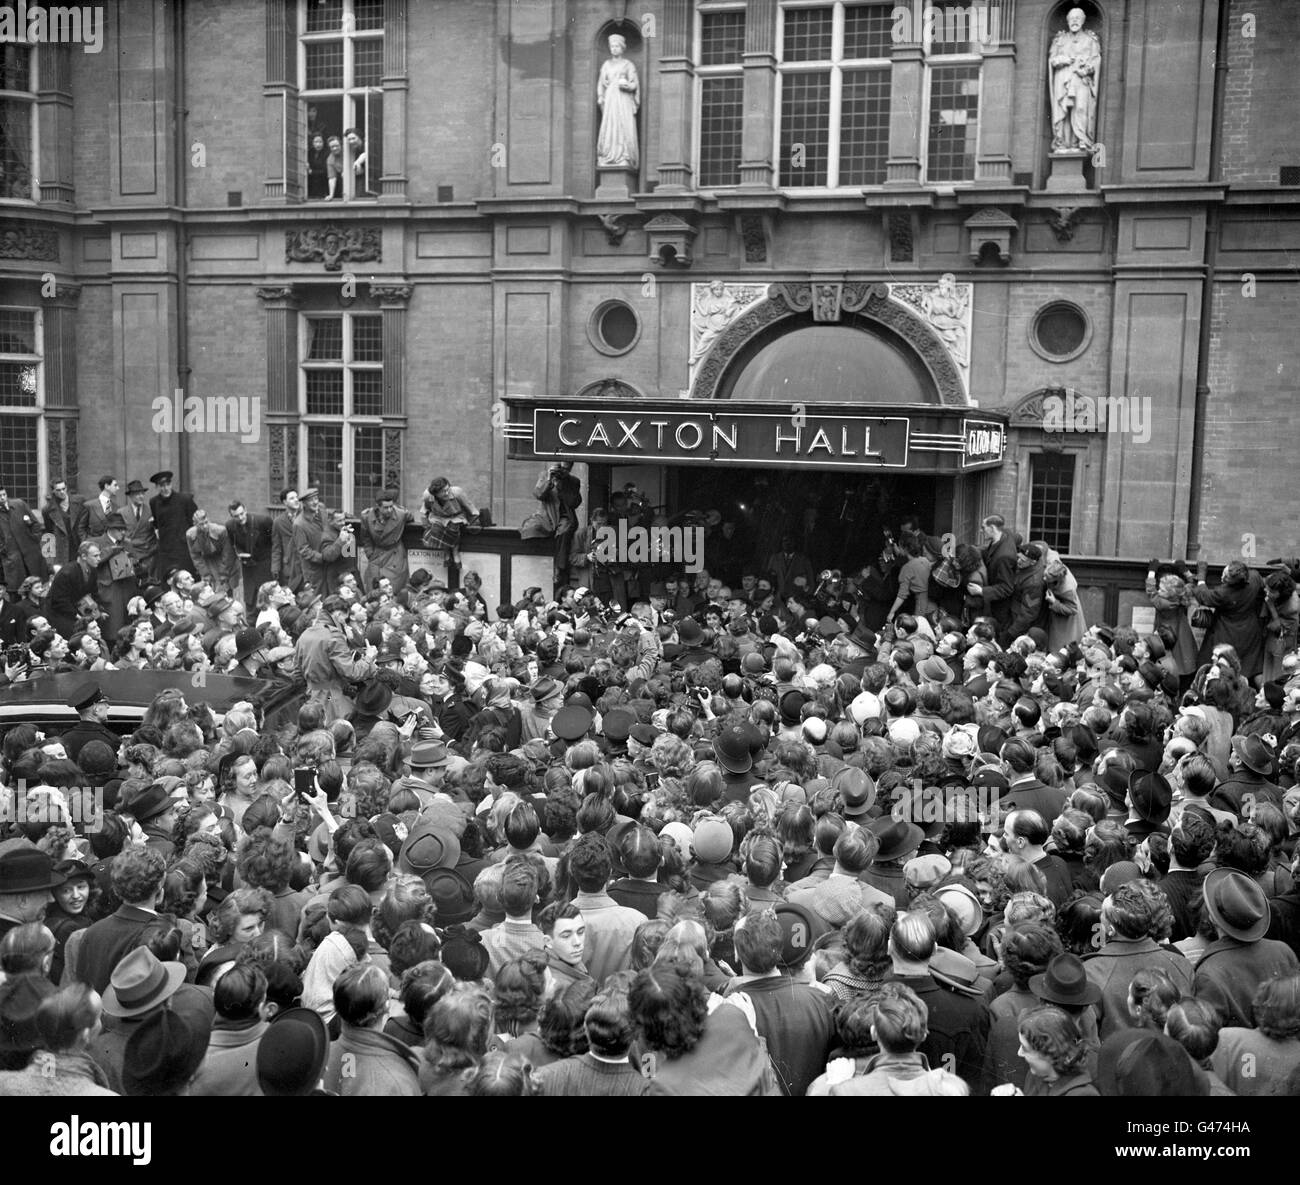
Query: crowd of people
[(915, 830)]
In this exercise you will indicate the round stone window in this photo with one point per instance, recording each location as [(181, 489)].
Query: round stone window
[(613, 328), (1060, 331)]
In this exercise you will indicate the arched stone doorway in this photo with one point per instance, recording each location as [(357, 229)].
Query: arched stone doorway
[(910, 330)]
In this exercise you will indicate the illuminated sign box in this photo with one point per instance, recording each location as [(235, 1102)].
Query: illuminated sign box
[(821, 436)]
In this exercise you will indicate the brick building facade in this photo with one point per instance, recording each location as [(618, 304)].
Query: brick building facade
[(164, 229)]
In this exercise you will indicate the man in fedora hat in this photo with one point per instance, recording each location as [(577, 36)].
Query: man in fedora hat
[(116, 577), (898, 839), (212, 555), (172, 515), (292, 1053), (1241, 958), (27, 881), (535, 718), (1149, 800), (250, 654), (140, 537), (141, 986), (1249, 781)]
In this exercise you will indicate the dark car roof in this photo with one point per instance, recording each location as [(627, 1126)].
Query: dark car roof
[(44, 699)]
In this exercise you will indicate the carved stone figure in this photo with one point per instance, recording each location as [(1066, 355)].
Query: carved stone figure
[(1075, 63), (618, 93), (716, 306), (945, 308)]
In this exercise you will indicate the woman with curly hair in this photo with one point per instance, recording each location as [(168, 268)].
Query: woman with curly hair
[(457, 1031), (1107, 843), (687, 1050), (866, 961), (185, 893), (231, 926), (1151, 994), (518, 993), (1055, 1053), (1264, 1060)]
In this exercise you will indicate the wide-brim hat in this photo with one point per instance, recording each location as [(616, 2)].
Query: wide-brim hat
[(140, 982), (897, 837), (28, 870), (427, 847), (149, 803), (732, 749), (617, 725), (689, 632), (572, 722), (1151, 795), (373, 698), (427, 755), (168, 1046), (1065, 981), (856, 788), (543, 689), (292, 1053), (1236, 904), (961, 901), (161, 476), (75, 868), (956, 971), (935, 670), (798, 929), (792, 703), (247, 641), (115, 519), (1255, 753)]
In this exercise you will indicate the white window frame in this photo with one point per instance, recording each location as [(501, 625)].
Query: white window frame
[(703, 72), (346, 95), (30, 96), (930, 60), (37, 411), (348, 420), (836, 66)]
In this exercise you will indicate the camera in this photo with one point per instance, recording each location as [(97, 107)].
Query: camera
[(18, 654)]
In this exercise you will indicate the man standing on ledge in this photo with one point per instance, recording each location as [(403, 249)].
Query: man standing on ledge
[(560, 494), (172, 515)]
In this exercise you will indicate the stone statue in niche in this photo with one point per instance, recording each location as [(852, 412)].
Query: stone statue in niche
[(945, 308), (618, 93), (1075, 63)]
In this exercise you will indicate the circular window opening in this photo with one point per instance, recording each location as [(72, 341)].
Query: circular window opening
[(614, 328), (1060, 331)]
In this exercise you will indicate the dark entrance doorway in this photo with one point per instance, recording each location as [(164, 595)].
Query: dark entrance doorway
[(837, 519)]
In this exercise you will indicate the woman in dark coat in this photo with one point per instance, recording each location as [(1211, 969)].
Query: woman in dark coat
[(1236, 603), (1168, 591)]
